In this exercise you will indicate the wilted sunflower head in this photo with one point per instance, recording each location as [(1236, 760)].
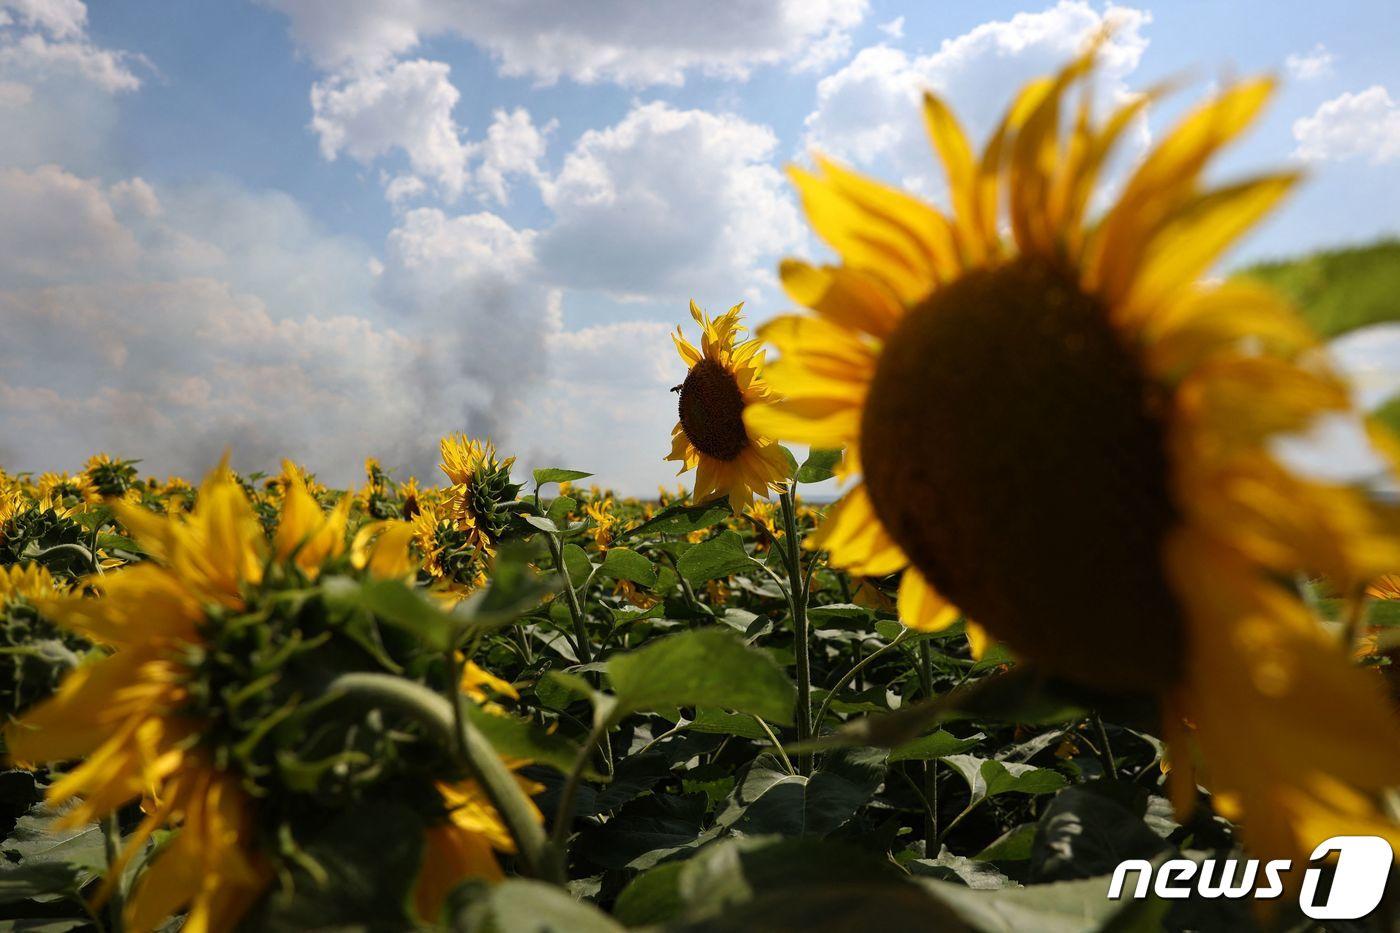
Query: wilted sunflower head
[(211, 701), (723, 378), (1066, 435), (482, 490)]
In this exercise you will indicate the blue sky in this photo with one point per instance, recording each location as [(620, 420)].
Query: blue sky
[(326, 230)]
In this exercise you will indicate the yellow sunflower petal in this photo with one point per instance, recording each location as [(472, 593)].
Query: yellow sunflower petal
[(920, 605), (855, 538)]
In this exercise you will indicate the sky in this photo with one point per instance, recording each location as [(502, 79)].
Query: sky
[(329, 229)]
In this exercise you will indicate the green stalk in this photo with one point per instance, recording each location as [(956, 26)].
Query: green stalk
[(930, 768), (453, 730), (116, 901), (850, 675), (581, 644), (797, 601)]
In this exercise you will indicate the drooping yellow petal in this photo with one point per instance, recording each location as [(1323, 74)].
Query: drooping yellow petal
[(855, 538), (920, 605), (1296, 738), (842, 296)]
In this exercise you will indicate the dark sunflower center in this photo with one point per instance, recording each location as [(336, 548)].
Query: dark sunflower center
[(712, 411), (1010, 445)]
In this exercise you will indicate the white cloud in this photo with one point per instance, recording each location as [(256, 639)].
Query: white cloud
[(170, 325), (1361, 124), (514, 147), (667, 202), (60, 18), (58, 225), (407, 107), (894, 28), (636, 44), (469, 284), (57, 87), (620, 374), (1316, 63), (867, 112)]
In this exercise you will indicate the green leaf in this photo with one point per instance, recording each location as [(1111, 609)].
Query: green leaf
[(398, 604), (516, 587), (978, 875), (37, 879), (1087, 830), (719, 722), (844, 616), (37, 840), (820, 466), (768, 883), (720, 556), (702, 667), (520, 905), (1339, 290), (987, 777), (622, 563), (791, 460), (513, 737), (576, 562), (556, 475), (1014, 845), (938, 745), (652, 898), (682, 519), (770, 800), (560, 508), (1063, 907)]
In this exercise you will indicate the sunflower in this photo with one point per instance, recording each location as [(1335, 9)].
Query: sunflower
[(63, 489), (724, 378), (34, 653), (465, 842), (210, 649), (481, 488), (410, 499), (454, 561), (1065, 435), (109, 476)]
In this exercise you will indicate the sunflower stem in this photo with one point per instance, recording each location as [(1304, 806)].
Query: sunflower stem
[(1354, 618), (116, 901), (453, 730), (797, 601), (582, 647), (1110, 769), (851, 675), (930, 768)]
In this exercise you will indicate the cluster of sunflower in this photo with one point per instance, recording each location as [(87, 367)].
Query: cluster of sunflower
[(1056, 443), (173, 656)]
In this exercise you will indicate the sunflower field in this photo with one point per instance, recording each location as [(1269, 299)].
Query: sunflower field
[(1071, 609)]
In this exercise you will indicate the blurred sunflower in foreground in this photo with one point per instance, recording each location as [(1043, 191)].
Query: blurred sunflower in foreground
[(1066, 438), (211, 708), (724, 379)]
